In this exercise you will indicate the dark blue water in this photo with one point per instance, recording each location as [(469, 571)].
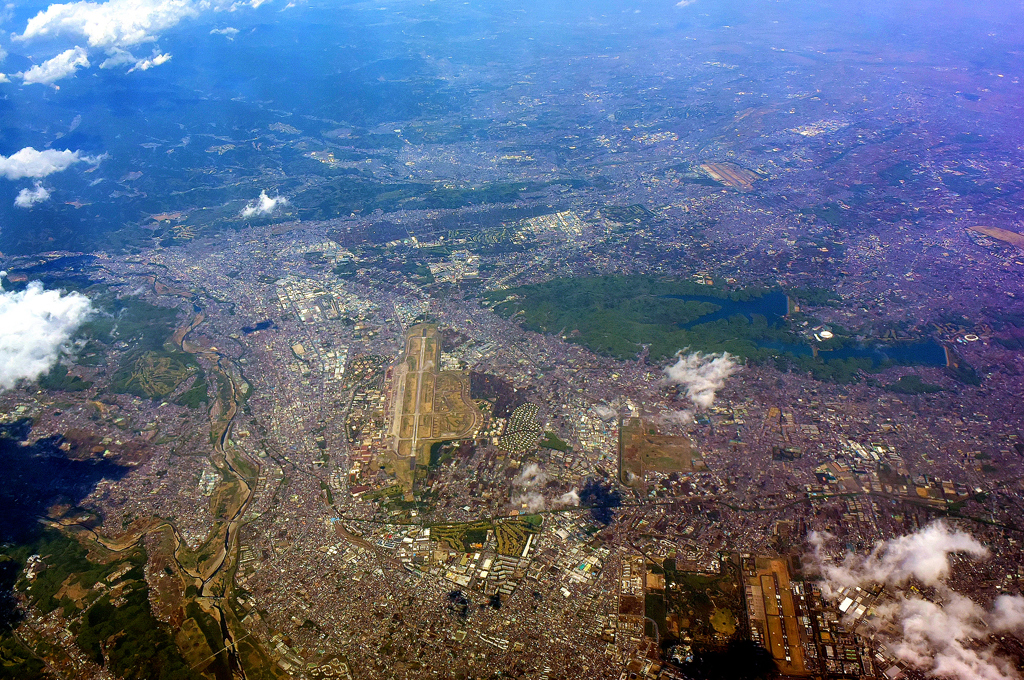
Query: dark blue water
[(261, 326), (928, 353), (773, 306)]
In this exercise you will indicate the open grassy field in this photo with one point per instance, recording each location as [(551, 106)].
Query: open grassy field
[(1004, 235), (643, 449)]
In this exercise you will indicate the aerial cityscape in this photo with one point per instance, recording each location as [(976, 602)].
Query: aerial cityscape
[(670, 340)]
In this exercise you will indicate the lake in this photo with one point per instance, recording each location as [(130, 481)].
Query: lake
[(775, 306)]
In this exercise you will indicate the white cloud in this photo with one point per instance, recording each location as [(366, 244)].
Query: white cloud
[(702, 375), (4, 78), (939, 639), (228, 32), (923, 555), (146, 64), (569, 498), (36, 164), (63, 65), (533, 501), (944, 636), (683, 417), (29, 197), (532, 475), (114, 27), (38, 324), (264, 205), (685, 3), (116, 23), (1008, 614), (526, 483), (118, 57)]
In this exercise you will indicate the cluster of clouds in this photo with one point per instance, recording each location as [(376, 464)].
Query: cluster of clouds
[(701, 376), (29, 197), (119, 57), (229, 32), (38, 326), (526, 490), (38, 164), (526, 485), (945, 636), (33, 164), (111, 24), (263, 206), (61, 66), (113, 28)]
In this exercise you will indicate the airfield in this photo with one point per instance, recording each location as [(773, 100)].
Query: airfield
[(427, 406)]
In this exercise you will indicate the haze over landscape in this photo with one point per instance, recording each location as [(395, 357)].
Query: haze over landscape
[(415, 339)]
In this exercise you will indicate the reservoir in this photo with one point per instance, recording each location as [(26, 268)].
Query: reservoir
[(926, 353), (775, 306)]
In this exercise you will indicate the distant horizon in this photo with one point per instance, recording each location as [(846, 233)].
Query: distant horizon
[(670, 340)]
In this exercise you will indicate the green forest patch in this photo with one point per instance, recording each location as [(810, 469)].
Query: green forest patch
[(150, 368), (702, 603), (554, 442), (59, 379), (124, 635), (347, 194), (618, 315), (197, 394), (913, 384)]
